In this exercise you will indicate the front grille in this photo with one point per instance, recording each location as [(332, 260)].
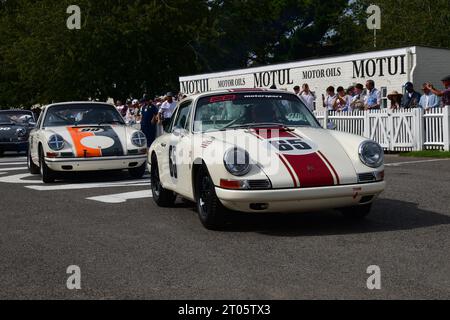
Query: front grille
[(259, 184), (367, 177)]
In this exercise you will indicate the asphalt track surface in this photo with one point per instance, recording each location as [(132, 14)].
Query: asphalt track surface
[(128, 248)]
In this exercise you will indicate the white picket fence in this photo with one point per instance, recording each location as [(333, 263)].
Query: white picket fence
[(395, 130)]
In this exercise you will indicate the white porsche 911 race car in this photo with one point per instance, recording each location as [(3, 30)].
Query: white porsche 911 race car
[(261, 151), (84, 136)]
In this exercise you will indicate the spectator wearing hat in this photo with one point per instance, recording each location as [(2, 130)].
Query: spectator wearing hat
[(411, 98), (444, 94), (429, 100), (396, 99), (166, 110)]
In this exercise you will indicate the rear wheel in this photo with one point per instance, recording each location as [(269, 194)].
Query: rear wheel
[(34, 169), (162, 197), (357, 213), (137, 173), (48, 175), (210, 210)]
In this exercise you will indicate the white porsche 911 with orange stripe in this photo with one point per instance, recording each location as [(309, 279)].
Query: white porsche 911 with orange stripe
[(84, 136), (261, 151)]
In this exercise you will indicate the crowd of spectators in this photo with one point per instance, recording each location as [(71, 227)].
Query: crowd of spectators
[(368, 97), (152, 115)]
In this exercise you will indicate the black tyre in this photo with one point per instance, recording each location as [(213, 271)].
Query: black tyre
[(211, 212), (357, 213), (48, 175), (161, 196), (137, 173), (34, 169)]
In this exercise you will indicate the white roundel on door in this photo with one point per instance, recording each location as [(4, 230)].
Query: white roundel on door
[(97, 142)]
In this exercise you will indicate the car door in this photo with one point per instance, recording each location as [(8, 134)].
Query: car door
[(178, 149)]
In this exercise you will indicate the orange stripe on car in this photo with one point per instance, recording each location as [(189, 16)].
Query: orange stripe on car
[(81, 150)]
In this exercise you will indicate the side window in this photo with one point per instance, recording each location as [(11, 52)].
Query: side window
[(182, 116)]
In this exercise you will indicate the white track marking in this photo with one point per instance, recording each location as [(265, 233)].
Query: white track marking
[(14, 169), (397, 164), (19, 178), (80, 186), (13, 159), (12, 163), (122, 197)]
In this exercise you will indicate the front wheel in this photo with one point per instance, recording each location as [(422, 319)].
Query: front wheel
[(211, 211), (34, 169), (48, 175), (357, 213), (137, 173), (162, 197)]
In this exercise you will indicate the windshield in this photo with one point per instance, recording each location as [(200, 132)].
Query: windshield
[(15, 117), (82, 114), (251, 109)]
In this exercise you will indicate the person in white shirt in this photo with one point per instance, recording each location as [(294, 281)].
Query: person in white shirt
[(166, 110), (329, 100), (429, 100), (307, 97)]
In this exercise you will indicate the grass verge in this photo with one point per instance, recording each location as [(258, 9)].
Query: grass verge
[(427, 154)]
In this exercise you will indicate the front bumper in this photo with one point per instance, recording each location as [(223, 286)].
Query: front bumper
[(95, 164), (300, 200)]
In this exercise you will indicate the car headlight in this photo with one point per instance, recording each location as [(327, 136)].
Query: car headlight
[(371, 154), (237, 162), (21, 132), (56, 142), (138, 139)]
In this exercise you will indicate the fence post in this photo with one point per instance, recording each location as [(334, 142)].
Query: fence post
[(419, 134), (446, 128), (367, 129), (325, 119)]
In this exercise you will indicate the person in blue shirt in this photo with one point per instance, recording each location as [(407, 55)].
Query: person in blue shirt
[(429, 100), (149, 114)]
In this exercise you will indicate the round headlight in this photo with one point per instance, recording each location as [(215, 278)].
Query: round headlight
[(21, 132), (237, 162), (56, 142), (138, 139), (371, 154)]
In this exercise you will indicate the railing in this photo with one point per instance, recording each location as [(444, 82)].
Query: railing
[(395, 130)]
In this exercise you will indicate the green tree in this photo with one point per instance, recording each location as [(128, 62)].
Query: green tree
[(408, 23)]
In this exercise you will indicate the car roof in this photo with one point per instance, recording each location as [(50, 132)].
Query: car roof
[(16, 110), (240, 90), (77, 103)]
